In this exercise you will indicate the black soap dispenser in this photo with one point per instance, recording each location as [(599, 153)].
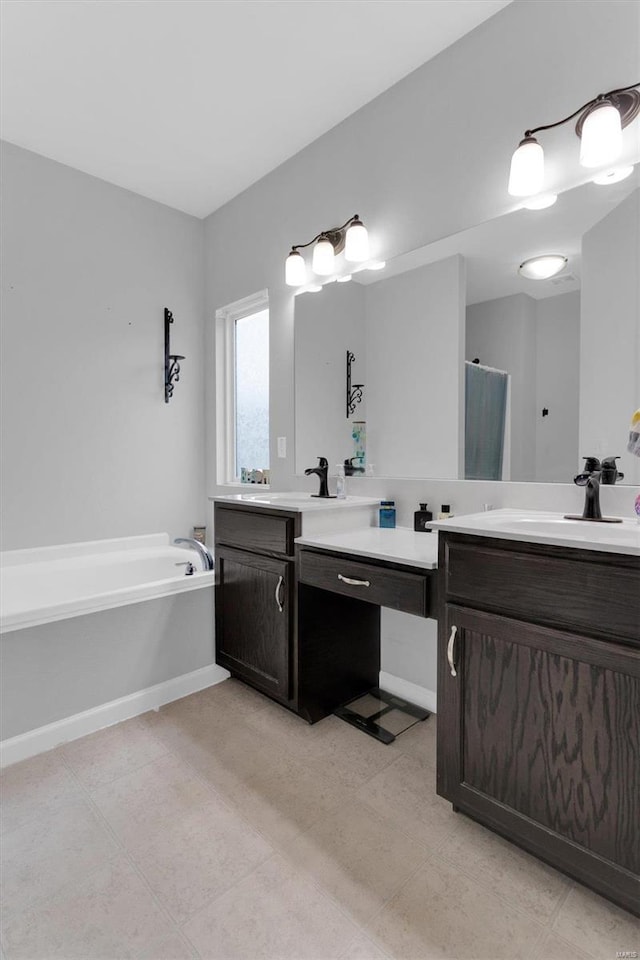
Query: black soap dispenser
[(422, 518)]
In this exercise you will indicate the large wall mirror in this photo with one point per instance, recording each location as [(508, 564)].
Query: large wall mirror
[(556, 375)]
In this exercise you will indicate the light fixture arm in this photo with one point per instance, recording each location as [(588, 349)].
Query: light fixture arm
[(334, 234), (590, 103)]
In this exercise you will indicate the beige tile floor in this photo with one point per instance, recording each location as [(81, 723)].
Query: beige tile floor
[(225, 828)]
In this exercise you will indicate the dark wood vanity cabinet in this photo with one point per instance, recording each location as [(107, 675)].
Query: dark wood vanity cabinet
[(254, 612), (255, 596), (308, 648), (539, 702)]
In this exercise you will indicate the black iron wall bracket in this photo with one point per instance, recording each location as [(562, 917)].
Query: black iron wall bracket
[(171, 360), (354, 391)]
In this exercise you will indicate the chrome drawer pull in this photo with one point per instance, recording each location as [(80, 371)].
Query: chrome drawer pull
[(452, 640), (277, 594), (352, 582)]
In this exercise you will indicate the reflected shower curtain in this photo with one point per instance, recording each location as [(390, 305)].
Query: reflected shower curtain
[(484, 421)]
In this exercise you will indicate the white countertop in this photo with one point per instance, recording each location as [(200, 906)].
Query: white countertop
[(398, 545), (295, 501), (537, 526)]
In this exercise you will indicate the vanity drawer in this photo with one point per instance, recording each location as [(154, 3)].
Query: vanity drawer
[(256, 530), (595, 594), (382, 585)]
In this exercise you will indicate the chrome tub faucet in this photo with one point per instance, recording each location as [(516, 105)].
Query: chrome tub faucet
[(205, 554)]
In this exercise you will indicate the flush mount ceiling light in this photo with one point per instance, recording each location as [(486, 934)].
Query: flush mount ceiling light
[(542, 268), (352, 237), (599, 126)]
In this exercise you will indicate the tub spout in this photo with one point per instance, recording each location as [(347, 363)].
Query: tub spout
[(205, 553)]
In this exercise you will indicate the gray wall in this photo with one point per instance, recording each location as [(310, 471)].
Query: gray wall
[(426, 159), (538, 343), (326, 327), (557, 386), (610, 334), (414, 404), (89, 448), (502, 333)]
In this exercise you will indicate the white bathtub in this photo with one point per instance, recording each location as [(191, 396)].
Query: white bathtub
[(55, 583)]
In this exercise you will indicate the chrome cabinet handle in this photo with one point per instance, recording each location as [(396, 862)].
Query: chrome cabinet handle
[(354, 583), (450, 645), (277, 594)]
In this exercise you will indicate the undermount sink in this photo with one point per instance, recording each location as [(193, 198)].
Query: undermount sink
[(559, 524), (554, 528)]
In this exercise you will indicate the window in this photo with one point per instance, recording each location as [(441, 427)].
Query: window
[(242, 344)]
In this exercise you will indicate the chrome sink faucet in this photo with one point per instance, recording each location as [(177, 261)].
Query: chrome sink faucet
[(205, 553), (322, 471)]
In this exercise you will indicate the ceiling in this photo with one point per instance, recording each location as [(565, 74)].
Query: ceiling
[(189, 102)]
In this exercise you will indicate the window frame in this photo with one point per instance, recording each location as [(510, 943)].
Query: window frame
[(226, 318)]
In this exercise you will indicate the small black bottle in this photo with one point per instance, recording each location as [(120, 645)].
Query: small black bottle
[(422, 518)]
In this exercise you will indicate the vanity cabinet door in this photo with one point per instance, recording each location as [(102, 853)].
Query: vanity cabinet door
[(539, 737), (254, 605)]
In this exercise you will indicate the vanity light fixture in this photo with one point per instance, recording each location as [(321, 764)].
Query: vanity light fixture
[(344, 279), (544, 267), (377, 265), (613, 176), (599, 126), (352, 237)]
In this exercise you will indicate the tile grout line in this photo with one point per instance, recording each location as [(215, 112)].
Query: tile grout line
[(169, 751), (141, 876)]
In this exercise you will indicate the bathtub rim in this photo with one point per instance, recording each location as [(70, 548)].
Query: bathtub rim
[(82, 548), (105, 600)]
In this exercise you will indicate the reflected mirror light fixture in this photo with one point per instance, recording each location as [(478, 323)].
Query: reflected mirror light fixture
[(599, 126), (352, 237), (542, 268), (541, 201), (613, 176)]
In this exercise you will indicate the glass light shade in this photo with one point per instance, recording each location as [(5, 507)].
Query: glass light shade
[(356, 244), (345, 279), (613, 176), (314, 288), (295, 269), (541, 202), (527, 169), (601, 140), (542, 268), (377, 265), (324, 258)]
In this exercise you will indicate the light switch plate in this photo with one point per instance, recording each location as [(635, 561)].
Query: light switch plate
[(282, 448)]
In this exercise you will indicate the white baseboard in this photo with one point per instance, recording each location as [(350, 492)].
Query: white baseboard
[(409, 691), (89, 721)]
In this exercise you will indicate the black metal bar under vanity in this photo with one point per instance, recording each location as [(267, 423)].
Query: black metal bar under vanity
[(539, 689)]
